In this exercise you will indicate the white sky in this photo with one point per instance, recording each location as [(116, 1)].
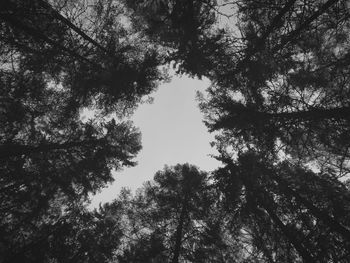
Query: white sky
[(172, 132)]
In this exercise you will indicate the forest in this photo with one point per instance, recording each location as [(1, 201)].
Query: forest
[(278, 104)]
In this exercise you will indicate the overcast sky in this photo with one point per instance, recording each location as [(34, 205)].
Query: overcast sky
[(172, 132)]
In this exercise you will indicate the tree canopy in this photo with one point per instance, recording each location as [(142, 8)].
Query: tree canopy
[(278, 105), (57, 60), (177, 218), (280, 92)]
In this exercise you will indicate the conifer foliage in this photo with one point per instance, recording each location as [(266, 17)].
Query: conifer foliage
[(59, 59), (279, 104)]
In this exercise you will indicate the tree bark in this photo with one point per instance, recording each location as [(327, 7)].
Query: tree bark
[(179, 230)]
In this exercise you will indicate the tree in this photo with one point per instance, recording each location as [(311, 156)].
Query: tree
[(287, 89), (32, 177), (110, 75), (70, 233), (310, 211), (175, 218), (278, 76), (52, 68), (185, 28)]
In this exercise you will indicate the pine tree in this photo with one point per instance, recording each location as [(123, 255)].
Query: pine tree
[(57, 60), (307, 211), (176, 218)]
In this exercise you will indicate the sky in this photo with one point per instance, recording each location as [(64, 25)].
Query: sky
[(172, 132)]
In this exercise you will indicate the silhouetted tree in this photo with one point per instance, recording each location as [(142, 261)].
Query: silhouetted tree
[(32, 176), (111, 75), (287, 204), (287, 87), (56, 60), (280, 91), (186, 29), (177, 218), (69, 233), (278, 75)]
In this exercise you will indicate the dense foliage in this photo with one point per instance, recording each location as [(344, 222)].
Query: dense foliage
[(51, 160), (279, 104)]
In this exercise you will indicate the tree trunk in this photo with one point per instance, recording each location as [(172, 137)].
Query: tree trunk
[(298, 245), (179, 230), (276, 21), (68, 23), (313, 114), (260, 200), (261, 245), (11, 19), (292, 35), (322, 216)]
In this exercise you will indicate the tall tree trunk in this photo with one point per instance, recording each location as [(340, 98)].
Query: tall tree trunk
[(259, 117), (312, 114), (275, 23), (68, 23), (11, 19), (321, 215), (259, 197), (298, 245), (292, 35), (179, 230), (261, 245)]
